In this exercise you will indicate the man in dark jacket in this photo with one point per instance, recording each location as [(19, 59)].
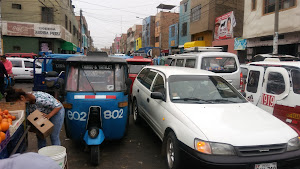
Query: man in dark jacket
[(2, 73)]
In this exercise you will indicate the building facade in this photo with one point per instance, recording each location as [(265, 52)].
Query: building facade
[(148, 34), (39, 26), (138, 37), (173, 39), (259, 27), (117, 44), (203, 17), (123, 44), (162, 22), (184, 22)]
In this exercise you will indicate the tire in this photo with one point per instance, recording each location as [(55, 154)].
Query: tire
[(135, 111), (95, 154), (172, 152)]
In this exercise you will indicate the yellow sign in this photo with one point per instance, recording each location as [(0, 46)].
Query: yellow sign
[(293, 116), (173, 43)]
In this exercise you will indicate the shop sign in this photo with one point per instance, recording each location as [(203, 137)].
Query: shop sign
[(240, 44), (47, 30), (18, 29)]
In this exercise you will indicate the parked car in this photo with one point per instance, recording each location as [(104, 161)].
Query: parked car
[(275, 88), (199, 112), (225, 64), (21, 55), (278, 57), (23, 67)]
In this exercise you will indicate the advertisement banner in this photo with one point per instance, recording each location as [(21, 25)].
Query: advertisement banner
[(240, 44), (19, 29), (224, 26)]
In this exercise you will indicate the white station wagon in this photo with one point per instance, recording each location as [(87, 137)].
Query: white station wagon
[(202, 114)]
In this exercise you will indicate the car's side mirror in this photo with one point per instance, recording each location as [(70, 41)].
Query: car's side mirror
[(157, 95)]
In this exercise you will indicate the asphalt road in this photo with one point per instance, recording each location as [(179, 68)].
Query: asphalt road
[(139, 149)]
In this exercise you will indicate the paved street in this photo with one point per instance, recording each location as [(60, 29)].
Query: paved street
[(141, 148)]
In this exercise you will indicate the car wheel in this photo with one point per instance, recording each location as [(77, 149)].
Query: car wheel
[(135, 111), (172, 151)]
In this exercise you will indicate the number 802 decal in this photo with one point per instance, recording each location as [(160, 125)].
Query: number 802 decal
[(115, 114)]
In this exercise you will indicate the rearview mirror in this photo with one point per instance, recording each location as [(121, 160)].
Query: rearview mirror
[(157, 95)]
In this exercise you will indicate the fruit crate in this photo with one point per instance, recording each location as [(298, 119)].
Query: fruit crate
[(20, 117)]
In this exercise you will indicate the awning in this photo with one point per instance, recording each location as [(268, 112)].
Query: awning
[(194, 44), (69, 46)]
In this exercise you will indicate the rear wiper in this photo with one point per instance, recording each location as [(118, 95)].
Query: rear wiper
[(222, 100)]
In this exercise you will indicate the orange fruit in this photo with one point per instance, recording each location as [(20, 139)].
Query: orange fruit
[(2, 135), (13, 118), (0, 140), (4, 120), (8, 116), (0, 127), (5, 112), (4, 126), (0, 119)]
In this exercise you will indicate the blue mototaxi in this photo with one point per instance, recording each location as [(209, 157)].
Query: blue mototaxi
[(53, 62), (96, 100)]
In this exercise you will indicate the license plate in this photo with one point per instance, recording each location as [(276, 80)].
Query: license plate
[(266, 166)]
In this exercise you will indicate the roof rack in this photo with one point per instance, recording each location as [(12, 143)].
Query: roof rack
[(203, 49)]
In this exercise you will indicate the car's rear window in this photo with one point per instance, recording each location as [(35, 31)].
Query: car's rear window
[(219, 64)]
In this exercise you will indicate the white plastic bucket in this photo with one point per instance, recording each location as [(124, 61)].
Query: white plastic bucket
[(57, 153)]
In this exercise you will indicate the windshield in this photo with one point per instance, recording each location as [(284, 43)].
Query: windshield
[(202, 89), (219, 64), (96, 78), (136, 67)]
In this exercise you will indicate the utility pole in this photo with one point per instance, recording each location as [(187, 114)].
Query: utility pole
[(275, 40), (80, 45)]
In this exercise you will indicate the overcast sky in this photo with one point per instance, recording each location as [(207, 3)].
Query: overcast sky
[(107, 19)]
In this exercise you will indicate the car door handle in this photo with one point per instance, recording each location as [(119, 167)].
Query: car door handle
[(148, 100), (138, 90), (26, 70)]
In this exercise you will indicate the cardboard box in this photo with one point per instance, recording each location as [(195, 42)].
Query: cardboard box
[(43, 125)]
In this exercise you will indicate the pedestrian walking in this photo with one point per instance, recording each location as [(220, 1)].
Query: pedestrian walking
[(2, 73), (51, 108), (7, 64)]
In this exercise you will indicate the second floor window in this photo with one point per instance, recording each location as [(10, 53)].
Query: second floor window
[(172, 31), (269, 5), (47, 15), (16, 6), (196, 13), (253, 5), (66, 22)]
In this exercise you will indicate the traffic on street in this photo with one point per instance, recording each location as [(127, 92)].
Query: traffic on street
[(161, 84)]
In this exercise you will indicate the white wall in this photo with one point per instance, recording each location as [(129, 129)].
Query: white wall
[(256, 24)]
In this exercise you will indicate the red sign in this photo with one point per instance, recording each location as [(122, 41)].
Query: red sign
[(20, 29), (268, 100)]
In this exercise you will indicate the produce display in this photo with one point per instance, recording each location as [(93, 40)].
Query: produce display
[(6, 120)]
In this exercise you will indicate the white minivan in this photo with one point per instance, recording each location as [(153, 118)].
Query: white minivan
[(225, 64), (201, 114), (23, 67), (275, 88)]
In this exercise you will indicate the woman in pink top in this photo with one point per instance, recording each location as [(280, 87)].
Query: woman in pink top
[(7, 64)]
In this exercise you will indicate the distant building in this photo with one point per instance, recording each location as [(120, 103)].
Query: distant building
[(173, 39), (117, 45), (184, 23), (259, 27), (162, 22), (148, 34), (123, 44)]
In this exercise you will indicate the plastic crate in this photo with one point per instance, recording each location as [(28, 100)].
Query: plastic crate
[(20, 117), (15, 139)]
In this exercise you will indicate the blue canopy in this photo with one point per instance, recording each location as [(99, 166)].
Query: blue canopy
[(47, 65)]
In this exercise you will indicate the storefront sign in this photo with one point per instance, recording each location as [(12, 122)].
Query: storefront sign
[(224, 26), (47, 30), (240, 44), (18, 29), (36, 30)]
